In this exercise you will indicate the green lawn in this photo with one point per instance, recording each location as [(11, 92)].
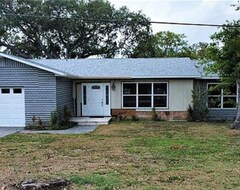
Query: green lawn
[(129, 155)]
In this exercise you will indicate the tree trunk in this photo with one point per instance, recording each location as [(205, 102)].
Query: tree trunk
[(236, 123)]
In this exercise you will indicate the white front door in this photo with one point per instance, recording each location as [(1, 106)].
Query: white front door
[(12, 107), (96, 99)]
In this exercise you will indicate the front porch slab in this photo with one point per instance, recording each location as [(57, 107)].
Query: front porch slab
[(84, 121)]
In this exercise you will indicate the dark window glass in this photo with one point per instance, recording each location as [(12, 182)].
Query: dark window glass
[(129, 101), (144, 101), (17, 90), (160, 101), (144, 88), (160, 88), (230, 90), (95, 87), (107, 95), (214, 102), (5, 91), (213, 89), (229, 102), (129, 88), (84, 95)]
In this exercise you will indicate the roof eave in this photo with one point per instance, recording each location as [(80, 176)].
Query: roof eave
[(209, 78), (132, 77), (164, 77), (33, 64)]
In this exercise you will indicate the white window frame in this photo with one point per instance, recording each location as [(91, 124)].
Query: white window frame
[(152, 95), (222, 96)]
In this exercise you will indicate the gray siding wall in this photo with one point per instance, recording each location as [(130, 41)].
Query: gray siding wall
[(215, 114), (64, 93), (39, 86)]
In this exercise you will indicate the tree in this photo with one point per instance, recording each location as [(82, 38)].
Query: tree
[(169, 44), (200, 50), (69, 29), (164, 44), (145, 48), (226, 57)]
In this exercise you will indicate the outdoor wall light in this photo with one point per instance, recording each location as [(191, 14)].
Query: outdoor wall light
[(113, 86)]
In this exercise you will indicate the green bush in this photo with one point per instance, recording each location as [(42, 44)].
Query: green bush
[(155, 116), (66, 116)]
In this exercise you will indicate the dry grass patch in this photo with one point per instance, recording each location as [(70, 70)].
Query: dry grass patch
[(129, 155)]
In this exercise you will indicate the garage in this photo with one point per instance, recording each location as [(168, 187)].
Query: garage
[(12, 107)]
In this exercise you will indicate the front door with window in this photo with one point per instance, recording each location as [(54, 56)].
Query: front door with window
[(95, 99)]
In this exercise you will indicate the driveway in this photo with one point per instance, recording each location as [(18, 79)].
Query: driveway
[(4, 131)]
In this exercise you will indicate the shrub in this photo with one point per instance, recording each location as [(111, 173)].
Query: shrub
[(198, 111), (37, 124), (66, 116), (135, 118), (53, 119), (155, 116)]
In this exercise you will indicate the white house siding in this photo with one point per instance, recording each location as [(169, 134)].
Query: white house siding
[(39, 87), (116, 95), (180, 94)]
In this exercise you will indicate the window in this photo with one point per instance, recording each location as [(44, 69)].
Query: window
[(222, 98), (5, 91), (84, 95), (145, 95), (129, 94), (107, 95), (96, 87), (17, 91), (160, 95)]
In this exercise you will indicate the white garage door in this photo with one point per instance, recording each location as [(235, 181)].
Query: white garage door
[(12, 107)]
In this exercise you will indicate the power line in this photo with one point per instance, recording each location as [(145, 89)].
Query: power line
[(191, 24), (122, 21)]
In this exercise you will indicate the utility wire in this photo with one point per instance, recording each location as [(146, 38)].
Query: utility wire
[(121, 21)]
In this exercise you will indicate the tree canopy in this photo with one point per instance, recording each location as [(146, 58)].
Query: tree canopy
[(163, 44), (70, 29), (226, 57), (170, 44)]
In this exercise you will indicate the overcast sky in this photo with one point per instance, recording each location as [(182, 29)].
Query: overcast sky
[(196, 11)]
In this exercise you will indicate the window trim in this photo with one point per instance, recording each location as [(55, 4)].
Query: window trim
[(152, 96), (221, 96)]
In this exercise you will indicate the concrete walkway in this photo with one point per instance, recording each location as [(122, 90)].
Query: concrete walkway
[(4, 131), (73, 130)]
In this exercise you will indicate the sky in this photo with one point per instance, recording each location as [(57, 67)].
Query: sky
[(192, 11)]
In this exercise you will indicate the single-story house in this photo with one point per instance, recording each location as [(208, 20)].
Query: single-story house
[(105, 87)]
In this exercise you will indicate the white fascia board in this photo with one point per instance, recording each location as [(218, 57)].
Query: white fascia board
[(209, 78), (163, 77), (33, 64), (91, 78)]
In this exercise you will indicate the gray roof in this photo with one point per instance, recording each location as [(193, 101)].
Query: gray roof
[(123, 67)]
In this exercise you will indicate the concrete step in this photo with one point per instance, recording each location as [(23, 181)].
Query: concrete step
[(88, 121), (91, 123)]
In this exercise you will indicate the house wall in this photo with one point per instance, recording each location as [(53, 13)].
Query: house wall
[(180, 93), (64, 92), (179, 98), (39, 86), (215, 114)]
